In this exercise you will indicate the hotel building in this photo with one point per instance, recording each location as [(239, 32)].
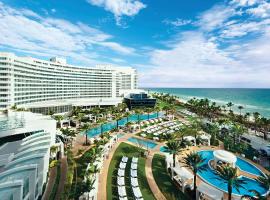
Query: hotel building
[(25, 139), (40, 85)]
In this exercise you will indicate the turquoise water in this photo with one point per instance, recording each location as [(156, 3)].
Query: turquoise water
[(147, 144), (248, 167), (164, 149), (251, 184), (254, 100), (111, 125)]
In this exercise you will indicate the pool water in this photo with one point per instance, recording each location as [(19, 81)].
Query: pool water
[(248, 167), (164, 149), (111, 125), (145, 143), (209, 176), (120, 135)]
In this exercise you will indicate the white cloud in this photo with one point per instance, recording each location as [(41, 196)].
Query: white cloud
[(215, 17), (177, 22), (262, 10), (27, 31), (120, 7), (241, 29), (244, 2)]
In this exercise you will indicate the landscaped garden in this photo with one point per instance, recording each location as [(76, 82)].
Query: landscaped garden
[(164, 181), (130, 151)]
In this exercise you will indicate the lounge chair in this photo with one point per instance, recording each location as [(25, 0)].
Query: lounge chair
[(137, 193), (122, 165), (133, 173), (124, 159), (120, 181), (134, 166), (135, 160), (121, 172), (134, 182), (122, 191)]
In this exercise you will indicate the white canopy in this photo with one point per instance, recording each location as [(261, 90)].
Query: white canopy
[(210, 191), (189, 138), (225, 156), (183, 173)]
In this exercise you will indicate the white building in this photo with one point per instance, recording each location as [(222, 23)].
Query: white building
[(24, 162), (41, 85)]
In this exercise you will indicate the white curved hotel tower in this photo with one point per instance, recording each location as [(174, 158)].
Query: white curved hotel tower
[(41, 85)]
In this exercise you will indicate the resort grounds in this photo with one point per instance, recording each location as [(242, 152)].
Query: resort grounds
[(169, 130)]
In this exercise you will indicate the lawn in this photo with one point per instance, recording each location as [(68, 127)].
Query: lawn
[(163, 180), (130, 151)]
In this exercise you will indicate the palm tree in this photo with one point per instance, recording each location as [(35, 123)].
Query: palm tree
[(240, 109), (228, 175), (58, 118), (264, 181), (256, 116), (117, 118), (237, 130), (230, 105), (196, 163), (174, 147), (257, 196), (84, 129)]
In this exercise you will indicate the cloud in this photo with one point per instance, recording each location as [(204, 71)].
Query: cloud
[(26, 31), (178, 22), (215, 17), (263, 10), (228, 49), (120, 7)]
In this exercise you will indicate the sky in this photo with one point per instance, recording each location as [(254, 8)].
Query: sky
[(172, 43)]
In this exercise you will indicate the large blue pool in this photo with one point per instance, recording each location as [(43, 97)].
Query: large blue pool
[(111, 125), (251, 184), (147, 144)]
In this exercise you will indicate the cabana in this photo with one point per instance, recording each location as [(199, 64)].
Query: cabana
[(205, 191), (224, 157), (206, 137), (183, 177), (190, 139)]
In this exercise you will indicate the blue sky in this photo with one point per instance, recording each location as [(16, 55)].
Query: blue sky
[(175, 43)]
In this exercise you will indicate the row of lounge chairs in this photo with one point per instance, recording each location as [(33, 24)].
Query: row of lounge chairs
[(133, 179)]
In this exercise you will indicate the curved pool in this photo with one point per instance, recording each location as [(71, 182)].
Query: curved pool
[(111, 125), (210, 177)]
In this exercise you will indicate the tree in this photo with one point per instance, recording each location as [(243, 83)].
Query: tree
[(117, 118), (196, 163), (174, 147), (58, 118), (237, 130), (84, 129), (256, 117), (230, 105), (257, 196), (240, 109), (264, 181), (228, 175)]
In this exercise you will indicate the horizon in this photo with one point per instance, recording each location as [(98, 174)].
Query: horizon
[(187, 44)]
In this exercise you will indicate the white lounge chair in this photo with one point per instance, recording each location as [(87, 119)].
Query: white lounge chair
[(121, 172), (134, 182), (134, 166), (120, 181), (137, 192), (135, 160), (122, 191), (133, 173), (122, 165), (124, 159)]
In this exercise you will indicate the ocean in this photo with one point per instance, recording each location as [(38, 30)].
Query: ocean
[(253, 100)]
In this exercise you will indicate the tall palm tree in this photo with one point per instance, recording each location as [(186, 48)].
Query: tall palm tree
[(237, 130), (84, 129), (256, 117), (196, 163), (118, 117), (174, 147), (230, 105), (264, 181), (228, 175), (256, 196), (240, 109)]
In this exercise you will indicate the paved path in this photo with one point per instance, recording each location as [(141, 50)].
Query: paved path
[(50, 184), (63, 177), (150, 178)]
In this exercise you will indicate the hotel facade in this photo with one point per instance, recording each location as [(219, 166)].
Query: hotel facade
[(54, 85)]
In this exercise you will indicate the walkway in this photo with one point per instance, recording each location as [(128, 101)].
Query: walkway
[(50, 184), (63, 176)]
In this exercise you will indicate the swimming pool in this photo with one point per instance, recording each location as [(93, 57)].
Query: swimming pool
[(111, 125), (147, 144), (209, 176), (164, 149)]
